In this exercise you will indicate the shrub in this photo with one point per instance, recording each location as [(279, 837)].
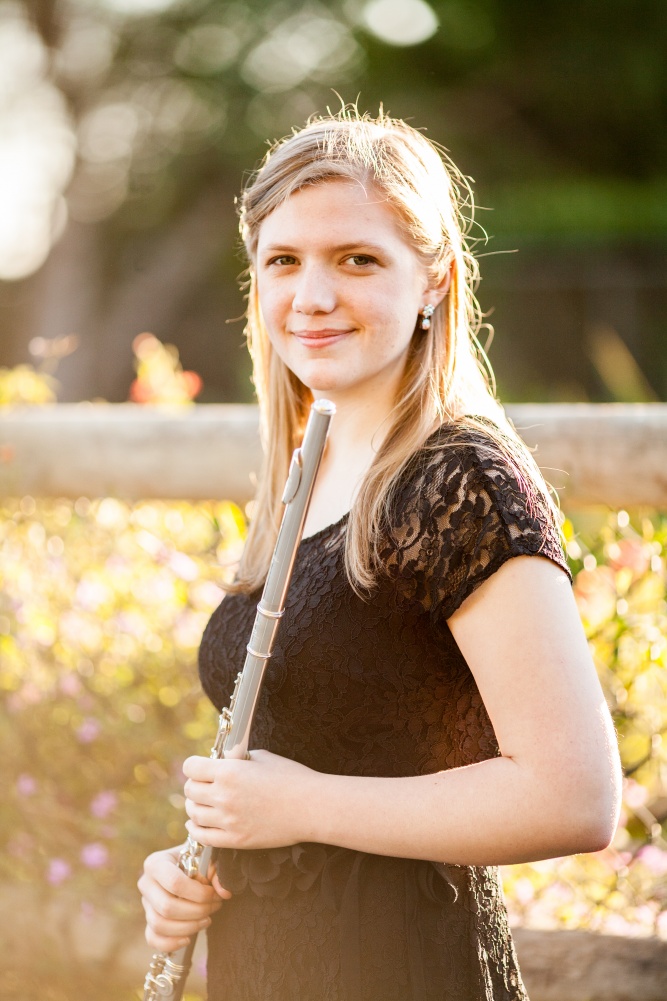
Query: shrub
[(102, 605)]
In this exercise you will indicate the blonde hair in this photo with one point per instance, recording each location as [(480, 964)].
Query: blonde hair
[(446, 377)]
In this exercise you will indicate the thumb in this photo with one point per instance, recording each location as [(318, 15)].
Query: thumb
[(219, 888)]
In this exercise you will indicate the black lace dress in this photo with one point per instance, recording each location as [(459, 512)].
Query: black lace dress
[(376, 688)]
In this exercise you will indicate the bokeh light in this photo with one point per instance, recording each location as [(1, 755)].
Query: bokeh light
[(400, 22), (86, 50), (36, 153), (207, 48), (298, 48), (138, 8)]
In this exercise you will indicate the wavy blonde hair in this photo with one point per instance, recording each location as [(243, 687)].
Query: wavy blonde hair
[(447, 377)]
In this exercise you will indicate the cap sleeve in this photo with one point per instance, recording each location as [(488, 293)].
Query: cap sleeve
[(461, 514)]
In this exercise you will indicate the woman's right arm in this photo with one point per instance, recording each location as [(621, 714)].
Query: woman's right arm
[(176, 906)]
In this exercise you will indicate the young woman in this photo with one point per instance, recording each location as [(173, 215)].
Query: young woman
[(431, 710)]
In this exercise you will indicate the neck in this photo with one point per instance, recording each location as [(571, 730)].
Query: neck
[(357, 432), (358, 427), (363, 418)]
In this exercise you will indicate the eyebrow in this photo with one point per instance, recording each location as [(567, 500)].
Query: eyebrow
[(341, 248)]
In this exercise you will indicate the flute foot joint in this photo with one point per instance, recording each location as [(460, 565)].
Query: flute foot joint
[(163, 978)]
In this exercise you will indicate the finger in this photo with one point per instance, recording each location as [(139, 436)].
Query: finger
[(203, 815), (172, 937), (200, 792), (162, 944), (219, 888), (176, 884), (171, 927), (172, 908), (201, 769), (216, 884), (214, 837)]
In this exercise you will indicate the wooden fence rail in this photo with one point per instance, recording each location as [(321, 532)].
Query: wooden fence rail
[(613, 454)]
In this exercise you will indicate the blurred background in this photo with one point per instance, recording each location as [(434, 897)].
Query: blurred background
[(126, 130), (127, 127)]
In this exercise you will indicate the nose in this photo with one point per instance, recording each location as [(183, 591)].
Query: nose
[(314, 291)]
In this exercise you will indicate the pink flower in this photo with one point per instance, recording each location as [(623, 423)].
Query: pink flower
[(654, 858), (647, 914), (103, 804), (90, 594), (88, 731), (59, 870), (617, 861), (634, 794), (183, 566), (524, 891), (630, 553), (94, 855), (616, 924), (26, 785)]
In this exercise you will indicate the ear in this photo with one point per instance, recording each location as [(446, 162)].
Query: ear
[(436, 293)]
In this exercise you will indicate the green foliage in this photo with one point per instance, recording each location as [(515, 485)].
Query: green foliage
[(553, 109), (102, 605), (170, 95)]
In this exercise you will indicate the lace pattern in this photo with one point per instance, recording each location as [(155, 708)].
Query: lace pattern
[(376, 687)]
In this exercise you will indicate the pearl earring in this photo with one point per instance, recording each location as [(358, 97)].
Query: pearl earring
[(427, 313)]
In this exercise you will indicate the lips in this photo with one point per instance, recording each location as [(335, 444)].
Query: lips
[(319, 338)]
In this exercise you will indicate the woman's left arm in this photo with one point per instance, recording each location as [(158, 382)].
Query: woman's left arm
[(554, 790)]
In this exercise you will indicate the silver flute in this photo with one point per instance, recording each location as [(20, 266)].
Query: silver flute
[(169, 970)]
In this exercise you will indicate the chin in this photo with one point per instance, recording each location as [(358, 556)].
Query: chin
[(321, 382)]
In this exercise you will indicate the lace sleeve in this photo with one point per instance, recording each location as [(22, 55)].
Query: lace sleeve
[(461, 513)]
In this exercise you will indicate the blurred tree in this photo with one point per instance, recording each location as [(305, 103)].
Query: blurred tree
[(163, 105)]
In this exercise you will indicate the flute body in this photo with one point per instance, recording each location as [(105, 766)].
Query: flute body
[(166, 977)]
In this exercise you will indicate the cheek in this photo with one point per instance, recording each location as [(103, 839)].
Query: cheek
[(398, 320), (273, 309), (274, 323)]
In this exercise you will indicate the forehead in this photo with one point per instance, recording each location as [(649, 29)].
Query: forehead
[(330, 212)]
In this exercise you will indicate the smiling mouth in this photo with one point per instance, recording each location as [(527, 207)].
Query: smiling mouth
[(314, 337)]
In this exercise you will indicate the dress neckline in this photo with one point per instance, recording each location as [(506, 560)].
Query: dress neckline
[(342, 520), (327, 528)]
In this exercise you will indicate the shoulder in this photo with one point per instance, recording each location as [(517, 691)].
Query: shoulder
[(466, 504), (459, 466)]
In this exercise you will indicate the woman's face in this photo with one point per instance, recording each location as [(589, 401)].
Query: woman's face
[(340, 289)]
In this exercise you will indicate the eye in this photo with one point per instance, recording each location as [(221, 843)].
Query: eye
[(361, 260), (282, 260)]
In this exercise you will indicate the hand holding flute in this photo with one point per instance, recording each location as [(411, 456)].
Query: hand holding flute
[(169, 969), (176, 906)]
